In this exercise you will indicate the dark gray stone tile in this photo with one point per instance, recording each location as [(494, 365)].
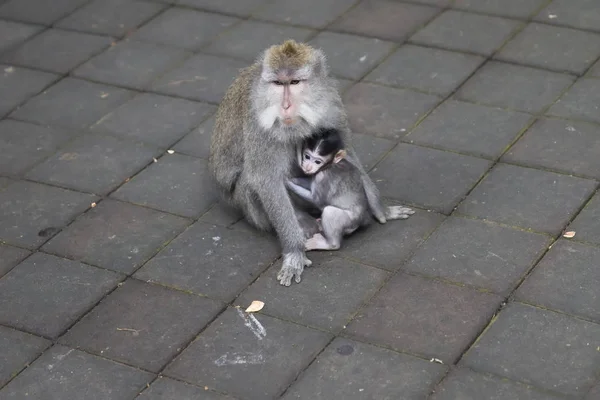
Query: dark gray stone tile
[(72, 103), (439, 3), (202, 77), (552, 47), (222, 214), (211, 260), (117, 236), (594, 393), (435, 319), (343, 84), (176, 183), (431, 70), (586, 223), (9, 257), (47, 208), (567, 146), (155, 119), (313, 13), (17, 84), (427, 177), (269, 347), (385, 112), (478, 253), (197, 142), (540, 200), (351, 56), (4, 182), (58, 292), (582, 100), (112, 17), (65, 373), (370, 149), (185, 28), (514, 345), (141, 324), (595, 70), (93, 163), (457, 30), (514, 87), (132, 64), (576, 13), (470, 128), (13, 33), (44, 13), (57, 51), (22, 145), (17, 349), (464, 384), (241, 8), (250, 38), (389, 245), (573, 292), (353, 370), (385, 19), (506, 8), (170, 389), (323, 301)]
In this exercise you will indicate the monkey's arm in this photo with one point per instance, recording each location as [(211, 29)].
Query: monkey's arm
[(301, 191)]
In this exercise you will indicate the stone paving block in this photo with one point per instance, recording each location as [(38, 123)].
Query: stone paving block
[(470, 128), (426, 177), (22, 145), (93, 163), (21, 83), (457, 30), (170, 389), (370, 149), (595, 70), (431, 70), (533, 346), (478, 253), (202, 77), (58, 291), (434, 319), (529, 198), (383, 111), (322, 300), (47, 208), (197, 142), (176, 183), (515, 87), (155, 119), (65, 373), (586, 223), (351, 56), (582, 101), (211, 260), (312, 13), (573, 292), (12, 33), (4, 182), (57, 51), (240, 8), (439, 3), (353, 370), (594, 393), (72, 103), (507, 8), (185, 28), (9, 257), (17, 349), (249, 39), (275, 352), (37, 12), (132, 64), (117, 236), (388, 246), (582, 14), (223, 215), (385, 19), (464, 384), (112, 17), (158, 323), (343, 84), (553, 47), (568, 146)]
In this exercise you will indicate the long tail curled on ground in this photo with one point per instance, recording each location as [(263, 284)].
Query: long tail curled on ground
[(398, 212)]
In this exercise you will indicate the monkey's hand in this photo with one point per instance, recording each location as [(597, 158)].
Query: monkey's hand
[(398, 212), (293, 266)]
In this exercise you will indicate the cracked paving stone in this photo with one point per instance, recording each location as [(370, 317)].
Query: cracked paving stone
[(170, 389), (17, 350), (21, 83), (9, 257)]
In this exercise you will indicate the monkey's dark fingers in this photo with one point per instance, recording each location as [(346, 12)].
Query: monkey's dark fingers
[(293, 266)]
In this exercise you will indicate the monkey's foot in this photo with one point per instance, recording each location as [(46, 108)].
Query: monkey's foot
[(318, 242), (293, 266), (398, 212)]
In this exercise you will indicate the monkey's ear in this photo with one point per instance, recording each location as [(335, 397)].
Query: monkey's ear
[(320, 63), (339, 156)]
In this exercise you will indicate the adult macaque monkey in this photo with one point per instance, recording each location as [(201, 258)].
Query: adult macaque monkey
[(267, 112)]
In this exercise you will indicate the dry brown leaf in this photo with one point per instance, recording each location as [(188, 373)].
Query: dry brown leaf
[(93, 205), (256, 305), (170, 151), (569, 234)]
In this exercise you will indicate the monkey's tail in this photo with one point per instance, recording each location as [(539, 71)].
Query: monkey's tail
[(398, 212)]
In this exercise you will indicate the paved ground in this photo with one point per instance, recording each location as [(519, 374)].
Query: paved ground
[(119, 271)]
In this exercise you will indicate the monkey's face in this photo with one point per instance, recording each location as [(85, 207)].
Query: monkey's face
[(312, 161)]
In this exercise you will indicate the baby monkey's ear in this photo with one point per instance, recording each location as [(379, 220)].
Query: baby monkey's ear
[(339, 156)]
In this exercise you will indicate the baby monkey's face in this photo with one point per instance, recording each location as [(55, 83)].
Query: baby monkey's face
[(312, 161)]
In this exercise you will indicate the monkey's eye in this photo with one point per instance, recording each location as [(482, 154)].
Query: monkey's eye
[(294, 82), (306, 157), (318, 162), (278, 83)]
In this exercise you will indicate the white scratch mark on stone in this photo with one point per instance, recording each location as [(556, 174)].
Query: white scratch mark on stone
[(496, 255), (216, 238), (252, 323), (61, 357), (363, 58), (239, 358)]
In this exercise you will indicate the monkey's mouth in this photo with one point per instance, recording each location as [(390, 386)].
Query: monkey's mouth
[(288, 120)]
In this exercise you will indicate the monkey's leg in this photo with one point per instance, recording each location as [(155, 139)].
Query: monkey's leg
[(308, 223), (335, 222), (252, 209), (373, 197)]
